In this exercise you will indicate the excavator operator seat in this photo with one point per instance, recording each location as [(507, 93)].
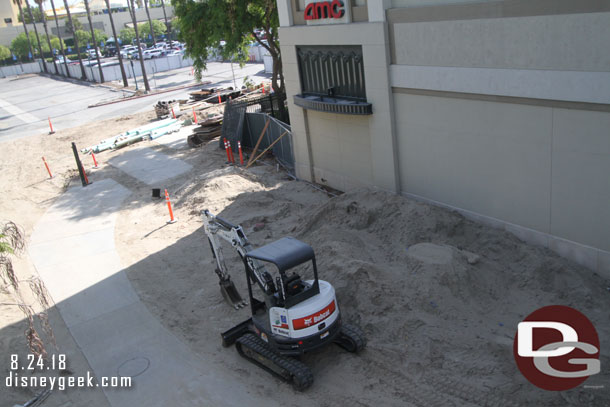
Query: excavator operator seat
[(287, 253)]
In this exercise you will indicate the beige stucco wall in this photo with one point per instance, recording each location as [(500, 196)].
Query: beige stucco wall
[(557, 42), (540, 167), (8, 9), (580, 178), (340, 150), (490, 158)]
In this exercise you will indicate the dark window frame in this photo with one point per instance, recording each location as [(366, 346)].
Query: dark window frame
[(327, 70)]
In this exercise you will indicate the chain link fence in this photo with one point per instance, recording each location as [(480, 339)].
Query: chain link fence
[(245, 120)]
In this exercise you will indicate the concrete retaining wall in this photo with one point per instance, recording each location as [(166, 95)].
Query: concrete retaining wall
[(111, 73), (13, 70)]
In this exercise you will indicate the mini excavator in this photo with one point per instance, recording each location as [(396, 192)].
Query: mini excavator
[(292, 315)]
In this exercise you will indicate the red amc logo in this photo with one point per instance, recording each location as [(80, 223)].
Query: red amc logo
[(313, 319), (324, 9)]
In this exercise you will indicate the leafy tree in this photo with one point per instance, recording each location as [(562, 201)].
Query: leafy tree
[(56, 43), (127, 35), (204, 24), (100, 36), (83, 37), (35, 12), (5, 52), (21, 45), (158, 29), (77, 26)]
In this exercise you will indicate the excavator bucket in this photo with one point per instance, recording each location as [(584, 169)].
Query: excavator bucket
[(230, 293)]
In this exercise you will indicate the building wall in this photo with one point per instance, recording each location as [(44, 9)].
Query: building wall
[(8, 9), (339, 150), (498, 109), (569, 42), (541, 167)]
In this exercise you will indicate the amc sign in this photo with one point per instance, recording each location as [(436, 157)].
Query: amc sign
[(324, 9), (327, 12)]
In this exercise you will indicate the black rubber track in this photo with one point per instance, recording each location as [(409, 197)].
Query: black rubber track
[(288, 369), (351, 338)]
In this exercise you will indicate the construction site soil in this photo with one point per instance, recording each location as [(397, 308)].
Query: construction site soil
[(438, 296)]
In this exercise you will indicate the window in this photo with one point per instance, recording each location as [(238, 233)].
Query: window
[(332, 79), (8, 20), (332, 70)]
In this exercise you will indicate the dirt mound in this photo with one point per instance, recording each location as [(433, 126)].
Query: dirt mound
[(442, 293)]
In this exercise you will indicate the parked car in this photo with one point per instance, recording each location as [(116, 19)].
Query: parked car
[(110, 51), (126, 50), (150, 53), (60, 59), (175, 52), (91, 53)]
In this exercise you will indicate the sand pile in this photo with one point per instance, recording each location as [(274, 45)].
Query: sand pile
[(440, 296)]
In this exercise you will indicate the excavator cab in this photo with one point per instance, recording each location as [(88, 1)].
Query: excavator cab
[(286, 253)]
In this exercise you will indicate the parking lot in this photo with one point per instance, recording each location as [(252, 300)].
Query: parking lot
[(66, 102)]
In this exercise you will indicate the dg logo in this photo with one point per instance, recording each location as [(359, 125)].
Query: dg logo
[(556, 348)]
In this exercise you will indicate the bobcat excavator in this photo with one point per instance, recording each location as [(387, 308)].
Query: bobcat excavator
[(292, 315)]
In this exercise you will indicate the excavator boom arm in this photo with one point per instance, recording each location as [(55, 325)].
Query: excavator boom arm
[(217, 228)]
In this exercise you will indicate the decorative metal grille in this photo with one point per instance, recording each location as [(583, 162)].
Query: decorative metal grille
[(332, 71)]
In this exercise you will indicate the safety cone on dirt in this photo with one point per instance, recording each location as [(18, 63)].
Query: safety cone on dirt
[(50, 126), (47, 165), (169, 208), (241, 156), (227, 150)]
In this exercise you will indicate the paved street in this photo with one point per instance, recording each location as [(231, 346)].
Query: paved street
[(26, 102)]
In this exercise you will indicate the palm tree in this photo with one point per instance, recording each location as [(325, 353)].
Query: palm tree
[(135, 27), (80, 60), (44, 65), (169, 33), (61, 43), (116, 43), (46, 31), (150, 24), (25, 27), (97, 54)]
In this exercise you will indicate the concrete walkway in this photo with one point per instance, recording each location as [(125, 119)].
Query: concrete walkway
[(148, 165), (73, 249)]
